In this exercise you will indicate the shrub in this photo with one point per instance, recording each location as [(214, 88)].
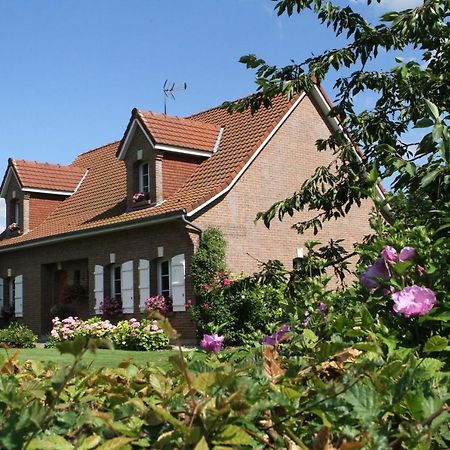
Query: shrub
[(17, 335), (134, 335), (243, 312), (126, 335), (209, 259)]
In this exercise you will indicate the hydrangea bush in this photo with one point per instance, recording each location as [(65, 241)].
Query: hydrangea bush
[(127, 334)]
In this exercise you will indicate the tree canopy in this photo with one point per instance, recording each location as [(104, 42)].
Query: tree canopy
[(413, 94)]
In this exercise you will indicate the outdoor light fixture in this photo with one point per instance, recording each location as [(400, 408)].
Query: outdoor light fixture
[(112, 258), (160, 252)]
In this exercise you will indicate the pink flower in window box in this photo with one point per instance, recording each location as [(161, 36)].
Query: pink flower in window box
[(13, 227), (139, 197)]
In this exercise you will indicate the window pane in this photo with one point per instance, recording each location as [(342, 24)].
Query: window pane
[(165, 268)]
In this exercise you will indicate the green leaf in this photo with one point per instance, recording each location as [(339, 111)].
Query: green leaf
[(365, 401), (117, 443), (53, 442), (426, 122), (233, 435), (90, 442), (435, 344), (432, 108), (202, 444)]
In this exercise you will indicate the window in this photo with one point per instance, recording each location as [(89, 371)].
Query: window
[(116, 282), (144, 178), (164, 278)]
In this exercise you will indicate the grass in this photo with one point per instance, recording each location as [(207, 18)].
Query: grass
[(102, 358)]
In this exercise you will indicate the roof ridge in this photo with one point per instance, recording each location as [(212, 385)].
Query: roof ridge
[(180, 118), (44, 163)]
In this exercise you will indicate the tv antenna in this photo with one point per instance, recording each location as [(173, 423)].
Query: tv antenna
[(168, 89)]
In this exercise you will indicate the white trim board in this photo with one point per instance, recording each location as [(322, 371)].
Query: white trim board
[(47, 191), (335, 125), (253, 157), (9, 174)]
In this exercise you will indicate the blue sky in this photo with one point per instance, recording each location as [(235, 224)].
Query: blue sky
[(71, 71)]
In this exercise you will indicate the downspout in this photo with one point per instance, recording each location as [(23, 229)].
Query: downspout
[(186, 221)]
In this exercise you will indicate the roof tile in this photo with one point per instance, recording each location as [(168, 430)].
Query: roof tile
[(101, 199), (47, 176)]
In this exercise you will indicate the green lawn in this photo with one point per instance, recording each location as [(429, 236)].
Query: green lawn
[(102, 358)]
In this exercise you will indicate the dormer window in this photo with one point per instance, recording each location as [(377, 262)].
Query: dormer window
[(144, 177)]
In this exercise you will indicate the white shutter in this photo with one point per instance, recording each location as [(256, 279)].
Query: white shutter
[(98, 287), (127, 287), (178, 283), (2, 286), (144, 282), (18, 296)]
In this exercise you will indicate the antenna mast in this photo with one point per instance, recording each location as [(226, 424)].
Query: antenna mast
[(168, 89)]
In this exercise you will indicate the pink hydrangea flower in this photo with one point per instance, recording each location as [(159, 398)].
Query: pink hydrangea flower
[(389, 254), (413, 301), (407, 253), (212, 343), (154, 327)]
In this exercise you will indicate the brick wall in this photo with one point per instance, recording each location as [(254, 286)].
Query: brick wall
[(287, 160), (129, 245)]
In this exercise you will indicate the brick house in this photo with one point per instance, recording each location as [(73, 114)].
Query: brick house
[(125, 219)]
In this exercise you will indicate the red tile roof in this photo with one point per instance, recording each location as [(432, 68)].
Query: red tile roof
[(100, 200), (178, 132), (47, 176)]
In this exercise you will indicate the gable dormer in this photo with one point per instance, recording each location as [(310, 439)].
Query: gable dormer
[(33, 190), (161, 152)]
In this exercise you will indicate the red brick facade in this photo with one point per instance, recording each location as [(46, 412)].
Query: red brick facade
[(277, 172)]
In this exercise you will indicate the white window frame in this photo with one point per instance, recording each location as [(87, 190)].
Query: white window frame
[(116, 268), (142, 186), (159, 283)]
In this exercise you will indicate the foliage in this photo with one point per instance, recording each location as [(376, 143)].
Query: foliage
[(17, 335), (209, 259), (134, 335), (413, 94), (342, 385), (111, 307), (242, 312), (127, 334)]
